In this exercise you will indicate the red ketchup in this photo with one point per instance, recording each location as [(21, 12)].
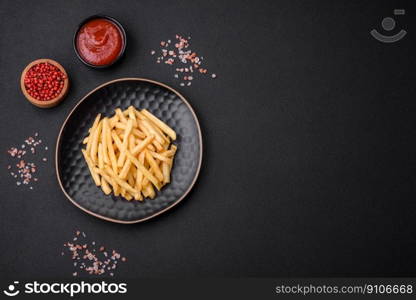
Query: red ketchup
[(99, 42)]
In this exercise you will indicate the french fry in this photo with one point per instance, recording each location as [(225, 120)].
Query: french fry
[(128, 197), (141, 157), (125, 170), (171, 152), (168, 153), (104, 140), (139, 176), (154, 166), (113, 121), (160, 156), (91, 132), (130, 178), (145, 192), (150, 191), (95, 123), (117, 140), (132, 142), (138, 197), (123, 192), (132, 115), (165, 128), (94, 145), (105, 187), (139, 115), (121, 116), (166, 172), (116, 187), (123, 149), (100, 156), (143, 128), (145, 182), (110, 149), (90, 164), (139, 148)]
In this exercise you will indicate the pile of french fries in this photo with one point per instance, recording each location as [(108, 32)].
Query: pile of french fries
[(130, 153)]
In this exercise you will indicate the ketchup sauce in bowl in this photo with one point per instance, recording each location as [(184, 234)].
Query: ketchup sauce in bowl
[(100, 41)]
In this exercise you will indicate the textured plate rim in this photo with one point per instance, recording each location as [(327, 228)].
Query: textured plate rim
[(58, 145)]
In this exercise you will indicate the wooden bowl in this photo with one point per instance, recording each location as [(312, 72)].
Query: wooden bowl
[(47, 103)]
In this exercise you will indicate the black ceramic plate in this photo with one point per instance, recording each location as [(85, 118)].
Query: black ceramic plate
[(165, 103)]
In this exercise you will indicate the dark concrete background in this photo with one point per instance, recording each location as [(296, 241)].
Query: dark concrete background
[(309, 134)]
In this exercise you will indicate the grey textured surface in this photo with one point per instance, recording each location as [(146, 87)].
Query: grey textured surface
[(309, 165), (163, 103)]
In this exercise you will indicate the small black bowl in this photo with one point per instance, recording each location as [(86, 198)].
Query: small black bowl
[(123, 34)]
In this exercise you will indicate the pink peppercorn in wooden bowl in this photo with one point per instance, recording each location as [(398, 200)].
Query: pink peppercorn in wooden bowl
[(44, 82)]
